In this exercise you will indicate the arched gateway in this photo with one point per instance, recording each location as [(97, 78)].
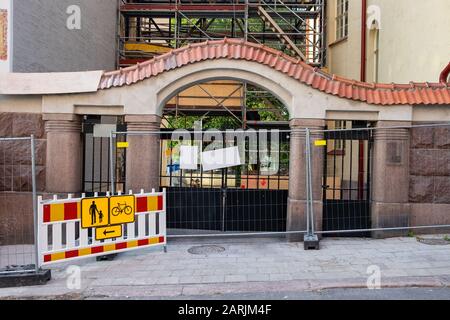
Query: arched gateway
[(311, 96)]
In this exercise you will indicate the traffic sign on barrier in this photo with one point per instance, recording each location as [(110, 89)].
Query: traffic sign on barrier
[(122, 209), (94, 212), (108, 232)]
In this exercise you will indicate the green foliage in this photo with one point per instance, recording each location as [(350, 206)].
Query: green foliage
[(187, 122)]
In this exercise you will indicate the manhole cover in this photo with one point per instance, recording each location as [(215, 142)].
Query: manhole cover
[(433, 241), (209, 249)]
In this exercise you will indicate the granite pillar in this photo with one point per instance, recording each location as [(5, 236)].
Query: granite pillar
[(64, 153), (390, 178), (143, 153)]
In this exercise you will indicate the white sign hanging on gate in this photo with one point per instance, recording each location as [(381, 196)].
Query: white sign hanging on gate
[(188, 157), (221, 158)]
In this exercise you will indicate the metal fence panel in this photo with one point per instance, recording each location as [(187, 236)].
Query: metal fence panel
[(236, 200), (385, 181), (18, 205)]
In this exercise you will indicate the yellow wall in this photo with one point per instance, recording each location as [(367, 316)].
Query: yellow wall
[(414, 41), (343, 57)]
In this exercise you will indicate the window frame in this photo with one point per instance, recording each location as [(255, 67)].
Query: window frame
[(341, 21)]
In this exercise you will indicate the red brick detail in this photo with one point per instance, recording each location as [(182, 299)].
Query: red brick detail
[(70, 211), (47, 213), (141, 204), (71, 254), (236, 49)]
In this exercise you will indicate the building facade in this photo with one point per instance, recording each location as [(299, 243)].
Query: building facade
[(405, 40), (58, 35), (409, 169)]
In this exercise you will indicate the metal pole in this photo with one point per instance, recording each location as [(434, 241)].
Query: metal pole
[(112, 163), (311, 197), (310, 240), (308, 191), (246, 21), (34, 197)]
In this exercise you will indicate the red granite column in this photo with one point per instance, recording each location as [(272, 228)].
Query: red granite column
[(296, 217), (143, 153), (390, 178), (64, 153)]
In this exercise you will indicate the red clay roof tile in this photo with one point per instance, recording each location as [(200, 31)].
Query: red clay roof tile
[(381, 93)]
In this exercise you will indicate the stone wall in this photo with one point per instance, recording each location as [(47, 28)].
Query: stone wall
[(15, 156), (16, 216), (429, 186)]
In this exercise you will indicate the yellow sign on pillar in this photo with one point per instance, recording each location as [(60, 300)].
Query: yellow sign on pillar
[(94, 212), (122, 209), (108, 232), (320, 143)]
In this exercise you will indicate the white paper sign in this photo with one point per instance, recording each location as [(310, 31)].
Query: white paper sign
[(103, 130), (221, 158), (188, 157)]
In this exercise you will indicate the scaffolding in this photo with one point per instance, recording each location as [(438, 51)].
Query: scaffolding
[(149, 28)]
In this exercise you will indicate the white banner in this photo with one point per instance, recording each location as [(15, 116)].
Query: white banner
[(221, 158)]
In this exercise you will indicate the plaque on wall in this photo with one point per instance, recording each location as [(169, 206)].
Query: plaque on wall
[(3, 34)]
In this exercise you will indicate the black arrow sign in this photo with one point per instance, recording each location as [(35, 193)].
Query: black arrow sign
[(106, 232)]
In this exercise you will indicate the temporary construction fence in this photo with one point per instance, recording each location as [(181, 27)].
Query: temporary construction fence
[(383, 180), (221, 199), (359, 180), (75, 228), (17, 205)]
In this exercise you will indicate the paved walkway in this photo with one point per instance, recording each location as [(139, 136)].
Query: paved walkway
[(251, 265)]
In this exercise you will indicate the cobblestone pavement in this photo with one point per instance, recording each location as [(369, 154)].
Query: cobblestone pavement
[(251, 265)]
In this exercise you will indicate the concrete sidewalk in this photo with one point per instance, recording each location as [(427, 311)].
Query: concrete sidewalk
[(250, 265)]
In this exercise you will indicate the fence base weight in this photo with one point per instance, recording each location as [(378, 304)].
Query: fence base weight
[(311, 242), (22, 279)]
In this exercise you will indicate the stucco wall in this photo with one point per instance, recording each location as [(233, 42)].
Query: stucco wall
[(43, 43), (413, 41), (343, 57)]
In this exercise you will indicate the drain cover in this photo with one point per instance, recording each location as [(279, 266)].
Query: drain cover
[(208, 249), (433, 241)]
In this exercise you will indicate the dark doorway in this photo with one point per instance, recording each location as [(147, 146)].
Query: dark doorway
[(96, 154), (346, 181)]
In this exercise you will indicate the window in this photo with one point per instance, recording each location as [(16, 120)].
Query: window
[(342, 19)]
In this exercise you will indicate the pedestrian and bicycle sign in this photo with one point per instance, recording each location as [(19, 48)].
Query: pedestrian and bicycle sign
[(94, 212), (122, 209), (107, 212)]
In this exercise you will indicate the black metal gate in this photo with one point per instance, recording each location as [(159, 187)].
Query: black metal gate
[(232, 199), (96, 154), (346, 181)]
